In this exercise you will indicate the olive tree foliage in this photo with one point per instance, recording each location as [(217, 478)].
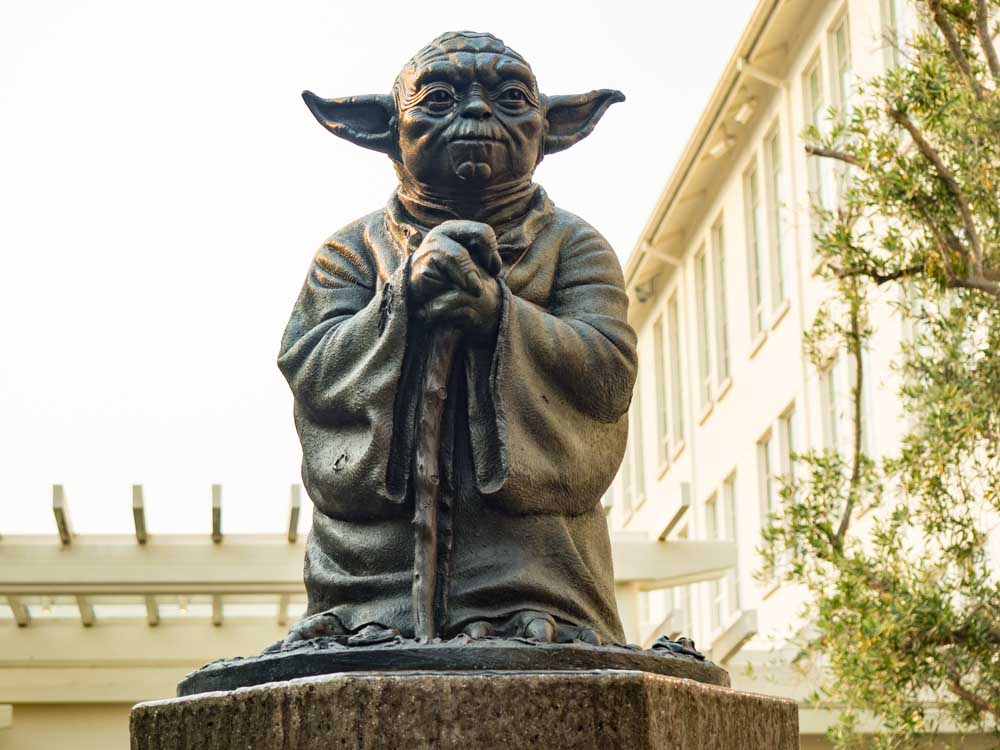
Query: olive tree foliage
[(904, 601)]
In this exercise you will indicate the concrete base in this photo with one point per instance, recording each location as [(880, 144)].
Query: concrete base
[(604, 709)]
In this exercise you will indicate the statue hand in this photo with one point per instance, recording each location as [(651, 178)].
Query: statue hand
[(456, 255), (477, 315)]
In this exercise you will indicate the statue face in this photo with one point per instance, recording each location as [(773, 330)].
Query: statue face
[(465, 115), (469, 119)]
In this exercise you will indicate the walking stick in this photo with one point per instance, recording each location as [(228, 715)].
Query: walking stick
[(428, 481)]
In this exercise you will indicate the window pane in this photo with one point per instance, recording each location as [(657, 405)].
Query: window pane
[(729, 506), (786, 426), (660, 376), (701, 298), (711, 518), (754, 231), (765, 470), (638, 460), (676, 395), (828, 406), (721, 311), (777, 199)]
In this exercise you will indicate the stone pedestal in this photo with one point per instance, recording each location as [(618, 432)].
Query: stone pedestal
[(508, 710)]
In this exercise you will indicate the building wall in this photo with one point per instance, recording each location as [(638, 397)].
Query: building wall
[(768, 378), (41, 726)]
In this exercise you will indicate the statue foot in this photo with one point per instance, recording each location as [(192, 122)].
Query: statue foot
[(320, 625), (540, 627)]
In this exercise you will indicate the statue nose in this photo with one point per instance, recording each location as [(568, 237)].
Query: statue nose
[(476, 107)]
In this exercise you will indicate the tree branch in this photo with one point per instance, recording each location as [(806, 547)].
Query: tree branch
[(955, 46), (983, 31), (880, 278), (979, 703), (830, 153), (853, 487), (949, 180)]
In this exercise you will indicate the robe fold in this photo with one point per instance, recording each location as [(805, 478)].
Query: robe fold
[(534, 430)]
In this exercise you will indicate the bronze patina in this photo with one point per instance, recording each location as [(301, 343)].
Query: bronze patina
[(462, 368)]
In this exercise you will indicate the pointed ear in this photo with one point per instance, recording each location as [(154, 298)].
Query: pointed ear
[(572, 118), (368, 121)]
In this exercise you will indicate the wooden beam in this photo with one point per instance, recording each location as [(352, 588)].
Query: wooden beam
[(169, 564), (267, 564), (294, 507), (139, 514), (152, 610), (675, 517), (20, 611), (670, 626), (216, 513), (60, 510), (86, 611), (733, 638), (217, 610), (656, 565)]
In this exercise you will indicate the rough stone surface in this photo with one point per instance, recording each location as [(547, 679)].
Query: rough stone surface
[(605, 709)]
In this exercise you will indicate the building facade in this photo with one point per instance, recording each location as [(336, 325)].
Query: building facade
[(723, 289)]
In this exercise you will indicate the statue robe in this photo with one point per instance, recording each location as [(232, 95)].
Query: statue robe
[(534, 429)]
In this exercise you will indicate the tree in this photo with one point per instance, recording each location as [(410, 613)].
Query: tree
[(904, 601)]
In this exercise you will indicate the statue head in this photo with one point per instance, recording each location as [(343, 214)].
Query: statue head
[(465, 115)]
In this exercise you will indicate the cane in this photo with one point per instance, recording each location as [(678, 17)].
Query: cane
[(428, 481), (427, 485)]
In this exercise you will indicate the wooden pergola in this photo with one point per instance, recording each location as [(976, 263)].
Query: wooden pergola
[(154, 606)]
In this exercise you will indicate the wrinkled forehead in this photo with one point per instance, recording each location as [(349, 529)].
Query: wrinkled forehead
[(460, 59)]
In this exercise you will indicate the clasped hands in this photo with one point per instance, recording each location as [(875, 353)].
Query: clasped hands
[(452, 279)]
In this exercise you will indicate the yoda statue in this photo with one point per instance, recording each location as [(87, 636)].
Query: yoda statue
[(462, 368)]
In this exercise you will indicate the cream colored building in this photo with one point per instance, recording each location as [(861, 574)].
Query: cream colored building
[(722, 290)]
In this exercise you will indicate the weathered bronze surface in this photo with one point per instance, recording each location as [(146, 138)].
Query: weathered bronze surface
[(462, 367)]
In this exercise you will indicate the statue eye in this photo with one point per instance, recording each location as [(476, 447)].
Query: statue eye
[(439, 99), (513, 95)]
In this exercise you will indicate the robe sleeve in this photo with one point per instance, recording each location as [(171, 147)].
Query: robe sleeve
[(548, 406), (343, 354)]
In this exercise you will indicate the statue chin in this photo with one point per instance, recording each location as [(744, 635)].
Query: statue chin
[(474, 171)]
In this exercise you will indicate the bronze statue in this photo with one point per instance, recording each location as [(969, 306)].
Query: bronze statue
[(462, 367)]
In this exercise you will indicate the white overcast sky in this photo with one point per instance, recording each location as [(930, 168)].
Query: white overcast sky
[(163, 190)]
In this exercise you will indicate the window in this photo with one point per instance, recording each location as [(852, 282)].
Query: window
[(836, 391), (898, 17), (755, 241), (720, 523), (777, 198), (828, 407), (820, 172), (633, 469), (683, 600), (660, 377), (625, 473), (676, 384), (638, 459), (786, 436), (712, 518), (704, 337), (768, 486), (842, 71), (721, 311)]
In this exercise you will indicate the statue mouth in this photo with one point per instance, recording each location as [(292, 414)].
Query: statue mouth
[(469, 138)]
